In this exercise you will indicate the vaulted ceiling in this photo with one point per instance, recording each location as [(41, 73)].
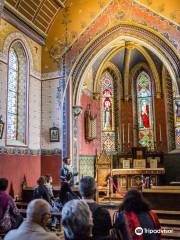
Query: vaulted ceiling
[(38, 14)]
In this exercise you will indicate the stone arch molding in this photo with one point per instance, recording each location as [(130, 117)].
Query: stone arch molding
[(136, 33), (17, 36)]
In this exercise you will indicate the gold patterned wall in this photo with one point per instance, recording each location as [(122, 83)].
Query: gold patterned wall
[(81, 14), (168, 8), (35, 48)]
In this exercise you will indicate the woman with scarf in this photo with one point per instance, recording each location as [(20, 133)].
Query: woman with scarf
[(10, 216), (135, 219)]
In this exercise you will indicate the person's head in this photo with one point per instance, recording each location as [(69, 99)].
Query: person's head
[(67, 161), (87, 187), (77, 220), (48, 179), (3, 184), (38, 211), (134, 201), (41, 180)]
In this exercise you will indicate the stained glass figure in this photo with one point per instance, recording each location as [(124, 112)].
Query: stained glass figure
[(145, 110), (107, 103)]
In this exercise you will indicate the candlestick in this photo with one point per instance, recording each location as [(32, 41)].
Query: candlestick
[(160, 134), (128, 132), (123, 133), (118, 134)]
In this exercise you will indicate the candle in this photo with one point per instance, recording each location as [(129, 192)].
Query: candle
[(118, 134), (128, 132), (123, 133), (160, 134)]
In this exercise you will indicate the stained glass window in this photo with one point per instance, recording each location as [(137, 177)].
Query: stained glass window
[(107, 107), (12, 95), (17, 95), (145, 110)]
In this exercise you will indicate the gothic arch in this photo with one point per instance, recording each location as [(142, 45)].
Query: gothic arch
[(153, 69), (137, 33), (113, 70), (17, 37), (133, 77)]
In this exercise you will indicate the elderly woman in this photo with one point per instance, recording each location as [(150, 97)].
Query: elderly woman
[(77, 220), (10, 216)]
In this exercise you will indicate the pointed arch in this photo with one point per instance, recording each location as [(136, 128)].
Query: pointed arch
[(143, 98), (13, 37), (17, 92)]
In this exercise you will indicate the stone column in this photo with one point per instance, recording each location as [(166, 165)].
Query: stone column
[(76, 112)]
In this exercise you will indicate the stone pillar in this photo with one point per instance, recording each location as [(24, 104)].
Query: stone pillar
[(76, 112)]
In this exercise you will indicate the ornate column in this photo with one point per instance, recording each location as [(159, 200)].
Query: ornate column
[(76, 112), (127, 58)]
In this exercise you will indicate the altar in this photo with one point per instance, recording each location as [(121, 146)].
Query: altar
[(132, 177), (139, 170)]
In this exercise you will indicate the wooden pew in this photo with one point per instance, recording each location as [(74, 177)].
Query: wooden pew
[(171, 236), (27, 193), (164, 214), (167, 187), (163, 198), (170, 222), (22, 205)]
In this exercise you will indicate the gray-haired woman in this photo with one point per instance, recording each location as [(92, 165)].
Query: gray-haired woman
[(77, 220)]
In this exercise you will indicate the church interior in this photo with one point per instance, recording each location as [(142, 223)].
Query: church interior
[(98, 82)]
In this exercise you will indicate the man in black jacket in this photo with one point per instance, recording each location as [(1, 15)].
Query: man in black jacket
[(101, 216)]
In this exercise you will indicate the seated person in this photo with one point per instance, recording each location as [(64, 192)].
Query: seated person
[(49, 185), (77, 220), (101, 216), (41, 192), (10, 216), (34, 227), (135, 212), (66, 194)]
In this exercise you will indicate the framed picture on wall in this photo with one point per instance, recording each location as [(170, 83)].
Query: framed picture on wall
[(54, 134), (1, 127)]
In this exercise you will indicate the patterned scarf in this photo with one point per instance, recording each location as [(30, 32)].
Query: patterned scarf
[(132, 222)]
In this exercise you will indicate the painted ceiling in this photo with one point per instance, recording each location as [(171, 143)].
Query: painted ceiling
[(51, 20), (38, 14), (41, 14)]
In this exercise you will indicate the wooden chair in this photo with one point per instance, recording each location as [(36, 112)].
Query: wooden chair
[(103, 172)]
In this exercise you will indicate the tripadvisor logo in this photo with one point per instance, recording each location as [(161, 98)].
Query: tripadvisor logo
[(139, 231)]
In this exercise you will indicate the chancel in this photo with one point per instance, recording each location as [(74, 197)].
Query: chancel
[(97, 82)]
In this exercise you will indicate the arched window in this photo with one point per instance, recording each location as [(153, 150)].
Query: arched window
[(145, 110), (17, 95), (107, 113)]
